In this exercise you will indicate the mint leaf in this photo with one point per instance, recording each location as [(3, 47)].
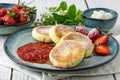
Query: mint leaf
[(71, 13), (70, 22), (78, 15), (62, 14), (63, 5), (58, 18)]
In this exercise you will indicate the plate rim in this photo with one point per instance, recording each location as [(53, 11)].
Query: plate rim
[(15, 60)]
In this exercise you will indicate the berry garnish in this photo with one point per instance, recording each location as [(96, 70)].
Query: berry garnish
[(94, 34), (102, 50), (82, 29)]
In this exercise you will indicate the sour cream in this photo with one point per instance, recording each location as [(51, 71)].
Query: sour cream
[(101, 15)]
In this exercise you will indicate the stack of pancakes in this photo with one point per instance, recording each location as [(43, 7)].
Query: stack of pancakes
[(71, 47)]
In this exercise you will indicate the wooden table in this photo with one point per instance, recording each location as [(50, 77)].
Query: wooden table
[(12, 74)]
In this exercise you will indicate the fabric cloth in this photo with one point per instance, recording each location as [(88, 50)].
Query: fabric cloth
[(106, 69)]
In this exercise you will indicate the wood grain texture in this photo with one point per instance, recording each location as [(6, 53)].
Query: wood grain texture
[(17, 75), (117, 76), (5, 73), (40, 4), (112, 4), (108, 77)]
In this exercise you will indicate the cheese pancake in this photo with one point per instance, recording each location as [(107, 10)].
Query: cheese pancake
[(41, 33), (86, 42), (67, 54), (58, 31)]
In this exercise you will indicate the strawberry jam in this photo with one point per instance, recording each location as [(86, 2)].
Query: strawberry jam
[(35, 52)]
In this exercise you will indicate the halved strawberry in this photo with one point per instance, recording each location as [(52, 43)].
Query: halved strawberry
[(102, 50), (102, 39)]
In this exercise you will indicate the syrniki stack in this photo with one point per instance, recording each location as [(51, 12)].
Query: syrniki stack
[(41, 33), (84, 40), (67, 54), (58, 31)]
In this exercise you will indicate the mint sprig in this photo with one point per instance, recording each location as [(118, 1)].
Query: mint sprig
[(63, 14)]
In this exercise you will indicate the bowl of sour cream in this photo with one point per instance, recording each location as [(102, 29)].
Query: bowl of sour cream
[(101, 18)]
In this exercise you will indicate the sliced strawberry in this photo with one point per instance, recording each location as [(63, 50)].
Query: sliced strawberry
[(102, 39), (102, 50)]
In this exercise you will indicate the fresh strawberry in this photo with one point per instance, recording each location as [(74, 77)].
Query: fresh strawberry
[(102, 50), (94, 34), (3, 12), (8, 20), (82, 29), (12, 13), (1, 21), (16, 8), (22, 11), (22, 19), (101, 40)]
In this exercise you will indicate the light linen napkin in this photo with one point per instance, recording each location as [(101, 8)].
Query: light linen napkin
[(109, 68)]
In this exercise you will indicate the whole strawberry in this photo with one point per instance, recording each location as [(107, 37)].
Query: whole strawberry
[(82, 29), (3, 12), (22, 19), (94, 34), (16, 8), (1, 21), (8, 20)]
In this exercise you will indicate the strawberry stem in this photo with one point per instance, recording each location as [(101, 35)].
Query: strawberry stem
[(109, 33)]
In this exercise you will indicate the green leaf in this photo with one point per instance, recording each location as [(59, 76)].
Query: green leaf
[(52, 9), (63, 6), (71, 13), (79, 15), (59, 18), (70, 22)]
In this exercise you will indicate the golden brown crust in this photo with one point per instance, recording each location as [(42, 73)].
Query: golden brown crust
[(67, 54)]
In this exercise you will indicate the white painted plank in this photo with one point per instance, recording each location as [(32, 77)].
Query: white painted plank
[(5, 73), (117, 76), (20, 76), (112, 4), (108, 77), (68, 78)]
